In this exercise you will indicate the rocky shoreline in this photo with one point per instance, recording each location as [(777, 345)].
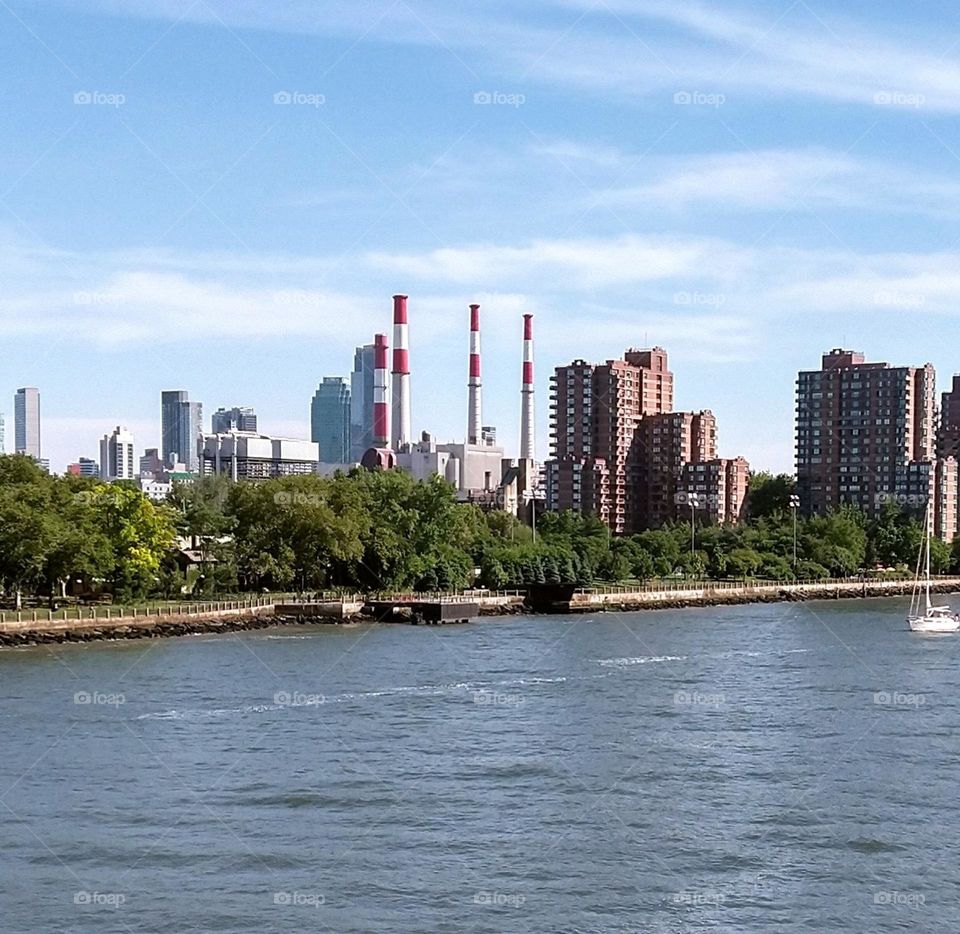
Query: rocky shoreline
[(165, 628), (154, 629)]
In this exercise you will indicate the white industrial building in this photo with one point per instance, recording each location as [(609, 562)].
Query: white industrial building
[(245, 455)]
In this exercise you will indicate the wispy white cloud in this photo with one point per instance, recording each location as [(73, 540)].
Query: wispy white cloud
[(793, 49), (637, 48), (572, 263), (774, 180), (600, 285), (909, 284)]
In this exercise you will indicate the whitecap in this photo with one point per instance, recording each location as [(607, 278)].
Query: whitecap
[(640, 660)]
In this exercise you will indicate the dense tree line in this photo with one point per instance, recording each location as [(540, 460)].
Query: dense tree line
[(58, 530), (386, 531)]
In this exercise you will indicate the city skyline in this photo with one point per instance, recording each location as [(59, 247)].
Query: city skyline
[(725, 201), (303, 429)]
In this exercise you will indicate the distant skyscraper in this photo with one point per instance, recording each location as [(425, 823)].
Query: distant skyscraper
[(26, 409), (239, 418), (181, 428), (3, 444), (361, 402), (116, 455), (151, 463), (330, 415)]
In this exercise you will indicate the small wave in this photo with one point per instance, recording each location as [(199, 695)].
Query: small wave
[(640, 660), (654, 659), (207, 714), (319, 700)]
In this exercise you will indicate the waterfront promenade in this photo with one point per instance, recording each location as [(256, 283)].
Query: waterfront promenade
[(83, 624)]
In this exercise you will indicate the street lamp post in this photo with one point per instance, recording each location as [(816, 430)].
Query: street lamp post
[(694, 500), (794, 506)]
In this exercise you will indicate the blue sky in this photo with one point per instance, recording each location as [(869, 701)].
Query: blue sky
[(747, 185)]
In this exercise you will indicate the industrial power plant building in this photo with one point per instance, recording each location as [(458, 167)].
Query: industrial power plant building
[(248, 456), (477, 467)]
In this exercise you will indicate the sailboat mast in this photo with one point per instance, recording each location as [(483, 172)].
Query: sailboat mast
[(927, 563)]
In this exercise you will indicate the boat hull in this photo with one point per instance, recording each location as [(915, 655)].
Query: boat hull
[(934, 624)]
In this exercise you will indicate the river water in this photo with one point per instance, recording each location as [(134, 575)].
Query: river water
[(743, 769)]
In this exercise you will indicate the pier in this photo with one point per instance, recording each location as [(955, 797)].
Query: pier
[(424, 611)]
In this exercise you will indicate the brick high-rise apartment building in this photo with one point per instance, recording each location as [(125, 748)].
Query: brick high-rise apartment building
[(720, 486), (619, 449), (663, 446), (948, 440), (595, 411), (865, 432)]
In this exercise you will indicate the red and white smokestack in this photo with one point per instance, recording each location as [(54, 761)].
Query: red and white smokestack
[(473, 385), (381, 393), (526, 391), (401, 374)]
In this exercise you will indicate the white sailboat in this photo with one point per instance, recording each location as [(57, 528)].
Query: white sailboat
[(924, 616)]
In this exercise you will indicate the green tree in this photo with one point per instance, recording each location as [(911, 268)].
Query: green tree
[(769, 495)]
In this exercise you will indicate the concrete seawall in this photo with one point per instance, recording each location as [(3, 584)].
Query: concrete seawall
[(260, 614), (39, 627), (726, 593)]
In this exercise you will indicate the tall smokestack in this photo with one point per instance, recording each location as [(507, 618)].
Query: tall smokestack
[(381, 393), (401, 374), (473, 385), (526, 391)]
